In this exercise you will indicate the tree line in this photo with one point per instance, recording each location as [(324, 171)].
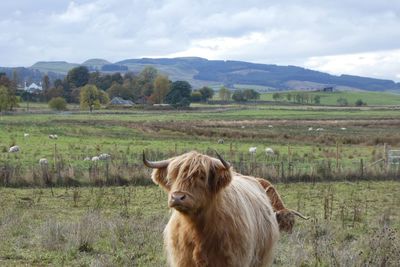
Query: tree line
[(92, 89)]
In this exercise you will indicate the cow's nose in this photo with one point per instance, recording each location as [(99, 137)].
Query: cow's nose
[(177, 198)]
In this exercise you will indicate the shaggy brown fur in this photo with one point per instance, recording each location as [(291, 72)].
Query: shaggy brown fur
[(284, 216), (219, 218)]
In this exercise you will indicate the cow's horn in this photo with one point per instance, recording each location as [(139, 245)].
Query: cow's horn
[(226, 164), (299, 214), (155, 164)]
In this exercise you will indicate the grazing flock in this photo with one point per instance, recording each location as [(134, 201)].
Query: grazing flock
[(219, 217), (45, 162)]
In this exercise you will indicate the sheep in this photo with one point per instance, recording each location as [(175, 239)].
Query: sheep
[(220, 141), (343, 129), (43, 162), (26, 135), (319, 129), (310, 129), (53, 136), (87, 159), (243, 127), (253, 150), (104, 156), (95, 158), (14, 149), (269, 151), (270, 126)]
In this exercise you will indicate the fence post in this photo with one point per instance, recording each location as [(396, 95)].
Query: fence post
[(337, 156), (55, 156), (362, 167), (385, 154)]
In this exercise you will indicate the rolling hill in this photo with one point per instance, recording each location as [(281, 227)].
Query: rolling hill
[(234, 74)]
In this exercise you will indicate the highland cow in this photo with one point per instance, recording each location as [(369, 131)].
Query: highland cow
[(219, 217)]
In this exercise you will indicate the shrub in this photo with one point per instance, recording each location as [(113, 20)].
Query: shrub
[(342, 101), (58, 103), (360, 103)]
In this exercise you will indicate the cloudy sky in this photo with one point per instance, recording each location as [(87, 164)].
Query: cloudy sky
[(360, 37)]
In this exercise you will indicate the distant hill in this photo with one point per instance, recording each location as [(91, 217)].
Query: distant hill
[(61, 67), (234, 74), (95, 63)]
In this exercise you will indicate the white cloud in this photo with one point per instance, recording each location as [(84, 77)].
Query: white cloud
[(380, 64), (310, 32)]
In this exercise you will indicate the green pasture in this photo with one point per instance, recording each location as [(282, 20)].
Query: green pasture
[(127, 135), (122, 226), (371, 98)]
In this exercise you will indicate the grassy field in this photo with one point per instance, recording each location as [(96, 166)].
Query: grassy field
[(346, 137), (371, 98), (353, 224), (355, 219)]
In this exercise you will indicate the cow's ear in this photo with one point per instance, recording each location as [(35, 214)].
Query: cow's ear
[(219, 178), (159, 176)]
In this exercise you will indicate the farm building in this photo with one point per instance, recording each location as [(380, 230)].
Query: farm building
[(33, 88), (119, 101)]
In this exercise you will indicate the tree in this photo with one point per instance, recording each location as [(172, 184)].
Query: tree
[(46, 83), (251, 94), (3, 98), (276, 96), (118, 90), (161, 89), (179, 96), (78, 77), (196, 96), (58, 103), (146, 80), (238, 96), (11, 87), (289, 97), (206, 93), (53, 92), (360, 103), (317, 99), (224, 93), (342, 101), (91, 97)]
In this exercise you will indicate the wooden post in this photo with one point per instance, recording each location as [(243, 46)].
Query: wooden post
[(337, 156), (385, 154), (362, 167), (55, 156)]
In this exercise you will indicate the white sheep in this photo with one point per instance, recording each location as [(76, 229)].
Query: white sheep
[(43, 162), (310, 129), (53, 136), (270, 126), (269, 151), (26, 135), (343, 129), (104, 156), (14, 149), (87, 159), (319, 129), (220, 141), (253, 150), (95, 158)]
